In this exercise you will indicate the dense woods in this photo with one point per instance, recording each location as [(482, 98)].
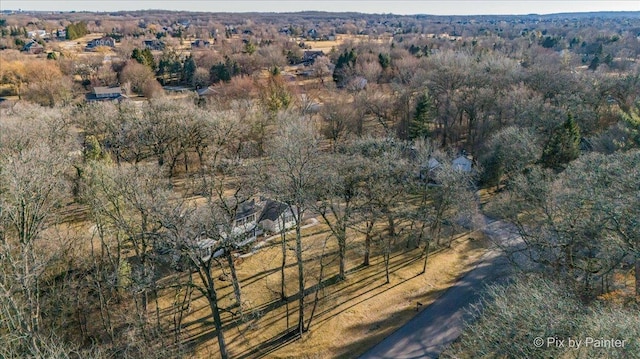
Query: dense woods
[(116, 217)]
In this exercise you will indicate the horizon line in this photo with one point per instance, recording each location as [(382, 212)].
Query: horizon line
[(308, 11)]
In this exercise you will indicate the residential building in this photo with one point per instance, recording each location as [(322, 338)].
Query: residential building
[(309, 57), (103, 41), (276, 216), (153, 44), (38, 33), (106, 94), (61, 34), (33, 47), (200, 44)]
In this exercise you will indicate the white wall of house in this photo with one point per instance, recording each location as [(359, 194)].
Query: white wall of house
[(276, 226)]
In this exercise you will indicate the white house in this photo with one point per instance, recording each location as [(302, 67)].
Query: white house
[(245, 227), (276, 216), (462, 163), (205, 248), (38, 33), (252, 219)]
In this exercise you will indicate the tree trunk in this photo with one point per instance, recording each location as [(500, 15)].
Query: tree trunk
[(426, 256), (316, 297), (367, 243), (342, 249), (283, 283), (186, 161), (387, 253), (392, 225), (181, 307), (234, 279), (426, 248), (300, 278), (637, 274), (212, 298)]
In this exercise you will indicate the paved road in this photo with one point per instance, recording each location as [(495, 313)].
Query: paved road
[(439, 324)]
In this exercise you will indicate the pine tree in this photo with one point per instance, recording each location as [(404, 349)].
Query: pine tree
[(419, 124), (249, 48), (346, 60), (563, 146), (144, 57), (188, 70), (384, 60), (76, 30)]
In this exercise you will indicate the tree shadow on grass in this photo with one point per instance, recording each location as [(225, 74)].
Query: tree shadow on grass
[(276, 342), (398, 260)]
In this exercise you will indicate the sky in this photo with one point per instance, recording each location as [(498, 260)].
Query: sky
[(403, 7)]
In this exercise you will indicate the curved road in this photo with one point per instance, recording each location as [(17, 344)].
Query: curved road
[(427, 334)]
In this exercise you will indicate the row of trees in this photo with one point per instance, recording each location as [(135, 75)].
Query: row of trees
[(96, 291), (108, 287), (580, 224)]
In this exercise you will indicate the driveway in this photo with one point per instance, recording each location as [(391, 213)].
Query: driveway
[(439, 324)]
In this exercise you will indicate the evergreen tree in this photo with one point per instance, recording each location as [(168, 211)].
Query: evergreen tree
[(144, 57), (76, 30), (384, 60), (346, 60), (563, 146), (188, 70), (594, 63), (169, 66), (249, 48), (224, 71), (631, 121), (425, 111)]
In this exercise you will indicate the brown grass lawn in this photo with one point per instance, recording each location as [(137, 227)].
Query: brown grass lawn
[(351, 316), (326, 46)]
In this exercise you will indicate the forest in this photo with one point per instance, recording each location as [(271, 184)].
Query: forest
[(290, 185)]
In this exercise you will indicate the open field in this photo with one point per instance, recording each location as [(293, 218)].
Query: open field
[(327, 46)]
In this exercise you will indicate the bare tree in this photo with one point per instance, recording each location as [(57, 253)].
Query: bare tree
[(339, 120), (32, 188), (581, 225), (340, 192), (292, 177), (385, 188), (186, 236)]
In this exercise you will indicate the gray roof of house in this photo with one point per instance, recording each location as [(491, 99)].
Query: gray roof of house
[(207, 91), (33, 44), (101, 90), (273, 210), (246, 209), (462, 159)]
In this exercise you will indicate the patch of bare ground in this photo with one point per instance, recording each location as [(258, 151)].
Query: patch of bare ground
[(351, 316)]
